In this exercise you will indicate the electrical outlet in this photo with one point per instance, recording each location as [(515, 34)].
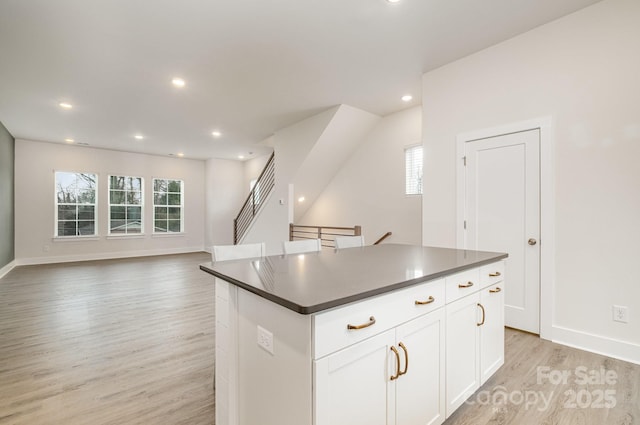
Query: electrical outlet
[(620, 313), (265, 339)]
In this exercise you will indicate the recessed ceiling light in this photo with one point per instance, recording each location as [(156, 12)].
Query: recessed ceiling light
[(138, 137), (393, 1), (301, 199), (216, 133), (406, 98), (178, 82), (180, 154), (240, 156), (69, 140), (65, 105)]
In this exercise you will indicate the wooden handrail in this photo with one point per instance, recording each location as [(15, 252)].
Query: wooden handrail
[(385, 236)]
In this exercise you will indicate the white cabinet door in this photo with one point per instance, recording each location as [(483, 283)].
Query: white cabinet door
[(462, 351), (353, 385), (492, 331), (420, 392)]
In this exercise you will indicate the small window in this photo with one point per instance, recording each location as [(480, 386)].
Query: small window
[(413, 170), (125, 205), (168, 204), (76, 204)]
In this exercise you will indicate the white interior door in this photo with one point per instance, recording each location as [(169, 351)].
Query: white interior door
[(502, 213)]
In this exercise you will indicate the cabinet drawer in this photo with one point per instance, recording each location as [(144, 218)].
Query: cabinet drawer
[(462, 284), (491, 273), (331, 332)]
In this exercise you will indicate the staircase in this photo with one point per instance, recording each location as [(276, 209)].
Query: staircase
[(256, 199), (310, 153)]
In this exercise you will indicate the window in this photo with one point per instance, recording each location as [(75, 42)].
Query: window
[(413, 170), (167, 205), (75, 204), (125, 205)]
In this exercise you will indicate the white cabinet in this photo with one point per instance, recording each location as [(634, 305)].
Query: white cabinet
[(406, 357), (475, 332), (462, 351), (353, 386), (492, 331), (420, 392), (395, 377)]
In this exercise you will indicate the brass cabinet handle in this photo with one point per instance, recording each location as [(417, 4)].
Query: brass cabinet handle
[(495, 291), (495, 274), (481, 308), (397, 375), (465, 285), (372, 321), (428, 301), (406, 359)]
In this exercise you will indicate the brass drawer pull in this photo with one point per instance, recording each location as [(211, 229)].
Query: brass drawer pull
[(495, 274), (428, 301), (481, 308), (465, 285), (397, 375), (406, 359), (372, 320), (495, 291)]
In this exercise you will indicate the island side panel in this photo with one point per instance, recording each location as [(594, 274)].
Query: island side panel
[(226, 352), (273, 388)]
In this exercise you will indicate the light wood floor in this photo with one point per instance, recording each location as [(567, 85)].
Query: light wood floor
[(540, 384), (131, 342), (108, 342)]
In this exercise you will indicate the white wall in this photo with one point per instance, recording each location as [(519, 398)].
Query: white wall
[(582, 70), (35, 166), (226, 191), (252, 169), (369, 189), (336, 144), (291, 146)]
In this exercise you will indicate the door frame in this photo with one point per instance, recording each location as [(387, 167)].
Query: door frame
[(547, 205)]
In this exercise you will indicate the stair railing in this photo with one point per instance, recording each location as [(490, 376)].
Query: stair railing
[(385, 236), (326, 234), (256, 199)]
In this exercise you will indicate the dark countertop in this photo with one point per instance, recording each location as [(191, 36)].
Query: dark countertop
[(312, 282)]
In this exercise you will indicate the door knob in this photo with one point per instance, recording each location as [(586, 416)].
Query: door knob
[(532, 241)]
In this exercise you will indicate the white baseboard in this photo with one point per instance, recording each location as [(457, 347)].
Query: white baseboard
[(598, 344), (6, 269), (105, 256)]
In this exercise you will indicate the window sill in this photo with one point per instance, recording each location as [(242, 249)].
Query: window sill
[(75, 238), (128, 236), (168, 235)]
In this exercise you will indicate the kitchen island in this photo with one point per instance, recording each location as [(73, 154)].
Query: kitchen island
[(385, 334)]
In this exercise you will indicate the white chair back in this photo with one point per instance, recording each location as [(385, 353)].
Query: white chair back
[(235, 252), (349, 241), (298, 247)]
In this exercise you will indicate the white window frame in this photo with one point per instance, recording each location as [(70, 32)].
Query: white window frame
[(126, 233), (168, 205), (57, 204), (414, 172)]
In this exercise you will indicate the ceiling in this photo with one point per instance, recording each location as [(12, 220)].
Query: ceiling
[(251, 67)]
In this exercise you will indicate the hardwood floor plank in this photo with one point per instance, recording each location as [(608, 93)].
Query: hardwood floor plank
[(131, 341), (108, 342), (546, 383)]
